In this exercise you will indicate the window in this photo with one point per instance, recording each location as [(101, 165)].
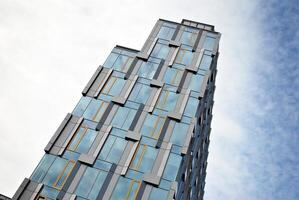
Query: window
[(118, 62), (148, 69), (179, 134), (114, 86), (81, 106), (166, 32), (126, 189), (205, 61), (172, 167), (191, 107), (123, 117), (113, 149), (196, 82), (53, 171), (91, 183), (95, 110), (152, 126), (160, 50), (167, 100), (209, 43), (48, 193), (42, 168), (82, 140), (140, 93), (184, 57), (144, 158), (174, 74), (189, 36), (157, 193)]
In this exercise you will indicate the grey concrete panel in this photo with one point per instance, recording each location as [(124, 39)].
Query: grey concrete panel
[(132, 135), (21, 189), (87, 159), (151, 179), (156, 83), (103, 82)]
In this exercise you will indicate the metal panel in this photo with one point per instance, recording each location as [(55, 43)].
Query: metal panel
[(101, 86), (92, 80), (70, 136)]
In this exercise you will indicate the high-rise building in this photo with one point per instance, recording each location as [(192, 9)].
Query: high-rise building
[(141, 129)]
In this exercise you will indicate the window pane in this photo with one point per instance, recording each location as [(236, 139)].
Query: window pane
[(97, 185), (121, 189), (113, 149), (165, 33), (86, 141), (42, 167), (125, 189), (158, 193), (110, 60), (147, 69), (81, 106), (184, 57), (172, 167), (179, 134), (173, 76), (160, 51), (188, 38), (123, 118), (167, 101), (117, 150), (86, 182), (140, 93), (205, 62), (191, 107), (209, 43), (95, 110), (196, 82), (122, 63), (152, 126), (114, 86)]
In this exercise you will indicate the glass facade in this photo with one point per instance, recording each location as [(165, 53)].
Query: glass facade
[(141, 128)]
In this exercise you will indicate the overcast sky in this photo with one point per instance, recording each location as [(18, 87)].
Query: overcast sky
[(50, 49)]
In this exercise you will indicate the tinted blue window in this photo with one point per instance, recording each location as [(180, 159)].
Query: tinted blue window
[(144, 158), (148, 69), (173, 76), (140, 93), (196, 82), (184, 57), (172, 166), (82, 140), (123, 118), (42, 168), (90, 183), (113, 149), (209, 43), (179, 134), (191, 107), (81, 106), (158, 193), (188, 38), (152, 126), (114, 86), (205, 62), (125, 189), (165, 33), (95, 110), (110, 60), (167, 101), (49, 192), (118, 62), (160, 51)]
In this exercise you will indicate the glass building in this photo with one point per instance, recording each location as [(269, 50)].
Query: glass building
[(141, 128)]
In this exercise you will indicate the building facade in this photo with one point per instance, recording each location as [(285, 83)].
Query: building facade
[(141, 129)]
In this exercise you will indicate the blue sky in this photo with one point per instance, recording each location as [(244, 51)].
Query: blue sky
[(49, 50)]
